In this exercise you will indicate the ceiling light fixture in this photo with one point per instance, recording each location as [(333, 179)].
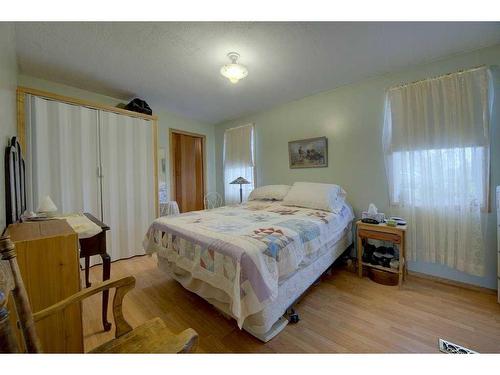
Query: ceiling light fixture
[(234, 71)]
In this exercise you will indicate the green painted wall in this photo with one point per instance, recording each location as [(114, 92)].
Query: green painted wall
[(352, 119), (166, 120), (8, 83)]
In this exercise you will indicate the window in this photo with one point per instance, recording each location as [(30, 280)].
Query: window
[(413, 172), (437, 155), (238, 161)]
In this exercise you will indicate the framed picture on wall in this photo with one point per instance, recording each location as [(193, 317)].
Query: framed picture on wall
[(308, 153)]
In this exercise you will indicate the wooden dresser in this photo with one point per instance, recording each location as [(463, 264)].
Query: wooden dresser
[(47, 253)]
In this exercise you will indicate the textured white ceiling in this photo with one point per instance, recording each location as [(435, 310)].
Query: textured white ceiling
[(175, 66)]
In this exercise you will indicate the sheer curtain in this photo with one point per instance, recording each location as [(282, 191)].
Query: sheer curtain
[(436, 143), (63, 155), (238, 161), (127, 183)]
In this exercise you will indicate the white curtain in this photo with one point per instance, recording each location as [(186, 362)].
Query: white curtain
[(436, 143), (127, 184), (238, 162), (62, 155)]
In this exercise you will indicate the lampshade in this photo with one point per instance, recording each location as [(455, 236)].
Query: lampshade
[(240, 180), (234, 71), (47, 205)]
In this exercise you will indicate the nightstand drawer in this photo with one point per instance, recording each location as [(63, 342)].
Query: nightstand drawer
[(383, 236)]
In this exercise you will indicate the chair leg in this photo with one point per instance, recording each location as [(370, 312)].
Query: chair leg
[(106, 272), (87, 266)]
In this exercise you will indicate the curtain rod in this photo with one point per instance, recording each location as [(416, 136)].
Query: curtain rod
[(437, 77)]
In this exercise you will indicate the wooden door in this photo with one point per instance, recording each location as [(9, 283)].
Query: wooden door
[(187, 166)]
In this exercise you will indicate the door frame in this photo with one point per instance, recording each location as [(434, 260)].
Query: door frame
[(171, 132)]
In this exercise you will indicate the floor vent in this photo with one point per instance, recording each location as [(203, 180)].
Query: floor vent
[(451, 348)]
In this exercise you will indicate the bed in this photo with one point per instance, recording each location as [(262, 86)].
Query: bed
[(251, 261)]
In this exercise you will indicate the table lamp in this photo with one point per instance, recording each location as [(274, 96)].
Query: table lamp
[(240, 181), (47, 207)]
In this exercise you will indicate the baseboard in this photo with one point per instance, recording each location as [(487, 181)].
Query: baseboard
[(458, 284)]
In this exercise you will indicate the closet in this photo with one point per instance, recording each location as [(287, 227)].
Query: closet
[(91, 158)]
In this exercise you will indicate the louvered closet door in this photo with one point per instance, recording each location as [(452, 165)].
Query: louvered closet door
[(62, 155), (128, 194)]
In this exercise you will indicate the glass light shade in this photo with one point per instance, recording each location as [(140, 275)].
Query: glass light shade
[(234, 72), (240, 180)]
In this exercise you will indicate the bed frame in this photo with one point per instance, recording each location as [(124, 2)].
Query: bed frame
[(291, 316)]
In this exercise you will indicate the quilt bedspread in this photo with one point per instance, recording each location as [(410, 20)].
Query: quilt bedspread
[(244, 250)]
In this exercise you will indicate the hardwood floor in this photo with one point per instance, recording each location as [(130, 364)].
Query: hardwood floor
[(342, 314)]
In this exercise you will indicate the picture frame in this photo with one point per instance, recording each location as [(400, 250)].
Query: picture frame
[(308, 153)]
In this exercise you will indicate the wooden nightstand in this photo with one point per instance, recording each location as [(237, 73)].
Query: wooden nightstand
[(382, 232)]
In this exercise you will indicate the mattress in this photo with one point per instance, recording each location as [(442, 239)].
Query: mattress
[(239, 256)]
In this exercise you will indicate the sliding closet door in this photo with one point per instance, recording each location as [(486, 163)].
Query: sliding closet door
[(128, 191), (62, 155)]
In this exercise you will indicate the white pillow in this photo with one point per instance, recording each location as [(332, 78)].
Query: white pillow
[(327, 197), (269, 192)]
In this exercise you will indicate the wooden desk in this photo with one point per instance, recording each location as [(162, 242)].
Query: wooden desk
[(47, 254), (96, 245), (382, 232)]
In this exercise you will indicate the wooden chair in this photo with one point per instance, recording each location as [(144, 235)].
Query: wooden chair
[(150, 337)]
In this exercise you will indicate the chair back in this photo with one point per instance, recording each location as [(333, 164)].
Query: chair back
[(212, 200), (169, 208), (11, 283)]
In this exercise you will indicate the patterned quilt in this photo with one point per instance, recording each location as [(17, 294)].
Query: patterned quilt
[(244, 250)]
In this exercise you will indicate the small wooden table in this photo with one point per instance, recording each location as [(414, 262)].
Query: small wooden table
[(96, 245), (382, 232)]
